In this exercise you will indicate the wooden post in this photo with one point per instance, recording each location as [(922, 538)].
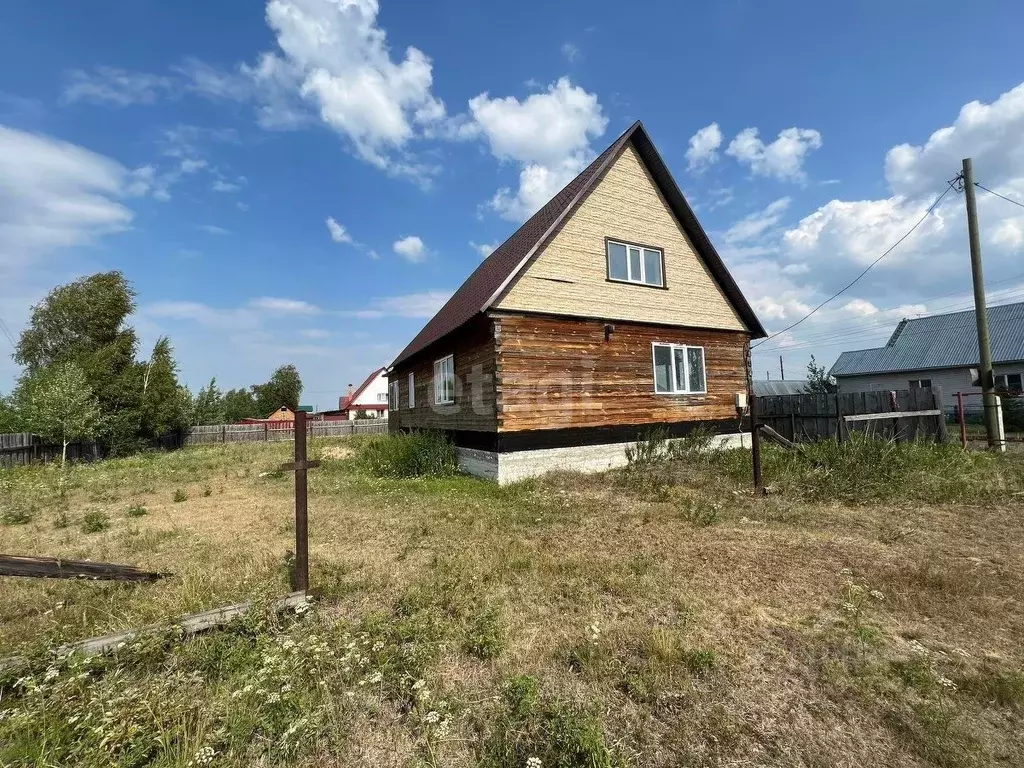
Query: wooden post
[(224, 433), (962, 418), (301, 511), (840, 422), (266, 431), (942, 435), (755, 445)]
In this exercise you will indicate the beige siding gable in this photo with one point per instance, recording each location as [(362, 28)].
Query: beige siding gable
[(569, 277)]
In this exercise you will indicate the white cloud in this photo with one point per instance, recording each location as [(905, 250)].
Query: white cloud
[(203, 314), (413, 305), (54, 194), (548, 134), (335, 56), (338, 233), (243, 207), (703, 150), (411, 248), (315, 333), (220, 185), (757, 224), (782, 159), (571, 51), (484, 249), (115, 86), (284, 306), (987, 133), (212, 229)]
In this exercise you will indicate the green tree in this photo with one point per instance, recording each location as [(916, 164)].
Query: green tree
[(208, 406), (83, 323), (818, 380), (166, 405), (239, 404), (284, 388), (58, 404)]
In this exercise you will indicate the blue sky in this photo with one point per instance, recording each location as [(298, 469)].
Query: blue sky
[(203, 147)]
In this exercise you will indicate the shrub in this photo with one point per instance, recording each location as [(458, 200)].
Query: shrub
[(533, 731), (865, 469), (180, 496), (15, 516), (95, 521), (137, 510), (483, 636), (421, 454), (1013, 413)]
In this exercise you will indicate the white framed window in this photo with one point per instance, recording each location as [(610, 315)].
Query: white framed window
[(444, 380), (1009, 382), (382, 397), (679, 369), (393, 399), (628, 263), (920, 383), (412, 390)]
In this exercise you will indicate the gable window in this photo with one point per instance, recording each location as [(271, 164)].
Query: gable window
[(393, 400), (412, 390), (629, 263), (1009, 382), (382, 397), (920, 383), (444, 380), (679, 370)]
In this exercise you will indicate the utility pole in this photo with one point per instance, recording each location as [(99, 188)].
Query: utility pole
[(782, 371), (980, 311)]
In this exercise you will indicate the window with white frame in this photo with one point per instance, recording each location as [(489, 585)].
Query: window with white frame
[(679, 370), (1009, 382), (382, 397), (444, 380), (635, 264), (920, 383), (393, 400), (412, 390)]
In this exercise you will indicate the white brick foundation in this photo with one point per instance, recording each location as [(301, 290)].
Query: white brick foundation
[(519, 465)]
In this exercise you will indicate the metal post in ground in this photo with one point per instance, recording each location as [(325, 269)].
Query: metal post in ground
[(755, 445), (962, 418), (301, 581)]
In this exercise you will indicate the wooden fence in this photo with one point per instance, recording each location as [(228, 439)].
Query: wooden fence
[(20, 448), (806, 418), (282, 431)]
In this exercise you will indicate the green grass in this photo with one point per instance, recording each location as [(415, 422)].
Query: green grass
[(578, 620)]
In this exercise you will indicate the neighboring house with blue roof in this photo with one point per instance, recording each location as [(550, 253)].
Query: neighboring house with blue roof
[(939, 351), (768, 388)]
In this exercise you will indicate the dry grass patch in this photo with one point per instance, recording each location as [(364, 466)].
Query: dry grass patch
[(577, 620)]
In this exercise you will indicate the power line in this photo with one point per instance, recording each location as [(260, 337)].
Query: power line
[(858, 277), (1007, 199), (858, 326)]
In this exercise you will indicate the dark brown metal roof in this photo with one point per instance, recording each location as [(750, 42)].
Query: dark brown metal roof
[(483, 287)]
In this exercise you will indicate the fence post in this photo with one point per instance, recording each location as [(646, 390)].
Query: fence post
[(755, 445), (962, 418), (301, 513), (943, 433), (266, 432), (840, 423), (224, 433)]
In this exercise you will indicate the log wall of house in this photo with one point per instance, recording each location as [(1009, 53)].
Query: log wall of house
[(474, 406), (557, 373)]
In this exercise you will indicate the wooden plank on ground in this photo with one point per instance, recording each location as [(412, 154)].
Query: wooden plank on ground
[(190, 625), (56, 568)]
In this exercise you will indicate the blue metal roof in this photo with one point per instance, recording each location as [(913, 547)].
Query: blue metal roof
[(940, 341), (766, 388)]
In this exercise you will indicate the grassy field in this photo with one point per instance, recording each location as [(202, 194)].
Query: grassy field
[(868, 611)]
